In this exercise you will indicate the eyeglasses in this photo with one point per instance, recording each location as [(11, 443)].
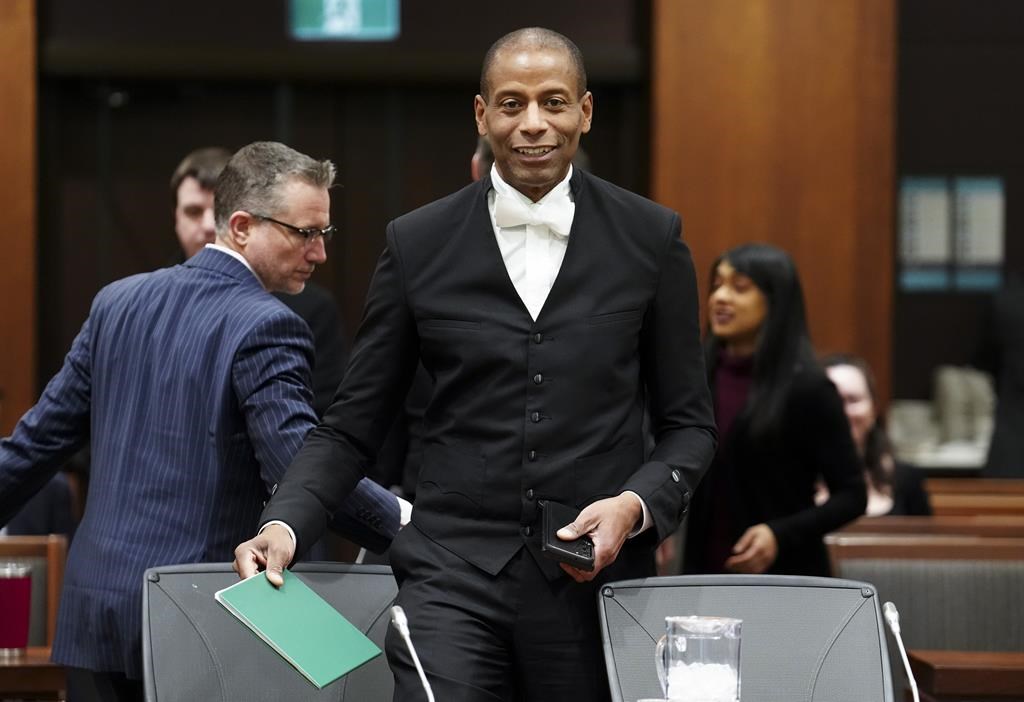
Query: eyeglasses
[(308, 233)]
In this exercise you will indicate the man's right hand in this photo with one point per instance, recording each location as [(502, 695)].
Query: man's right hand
[(272, 549)]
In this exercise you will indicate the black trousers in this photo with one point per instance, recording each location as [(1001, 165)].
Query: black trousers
[(482, 638), (93, 686)]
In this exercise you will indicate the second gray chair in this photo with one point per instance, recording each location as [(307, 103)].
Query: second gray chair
[(803, 639)]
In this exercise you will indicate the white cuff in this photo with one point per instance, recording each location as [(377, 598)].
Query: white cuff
[(647, 522), (288, 528), (405, 511)]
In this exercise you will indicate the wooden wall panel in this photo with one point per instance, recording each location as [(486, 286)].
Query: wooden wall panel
[(18, 207), (773, 121)]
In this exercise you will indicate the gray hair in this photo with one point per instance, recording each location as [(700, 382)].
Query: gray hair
[(253, 178)]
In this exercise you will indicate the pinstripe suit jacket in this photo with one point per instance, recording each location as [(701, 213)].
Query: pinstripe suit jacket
[(194, 385)]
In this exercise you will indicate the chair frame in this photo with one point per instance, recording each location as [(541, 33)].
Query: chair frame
[(608, 590), (153, 576)]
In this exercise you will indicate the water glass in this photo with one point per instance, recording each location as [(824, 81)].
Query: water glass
[(698, 659)]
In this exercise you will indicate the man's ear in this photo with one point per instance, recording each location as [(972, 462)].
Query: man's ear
[(479, 108), (587, 105), (240, 225)]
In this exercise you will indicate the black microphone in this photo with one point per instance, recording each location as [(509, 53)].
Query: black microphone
[(401, 624), (892, 618)]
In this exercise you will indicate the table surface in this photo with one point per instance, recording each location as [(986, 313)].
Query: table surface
[(32, 674), (969, 674)]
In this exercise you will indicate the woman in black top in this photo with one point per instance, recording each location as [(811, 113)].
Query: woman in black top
[(893, 488), (781, 425)]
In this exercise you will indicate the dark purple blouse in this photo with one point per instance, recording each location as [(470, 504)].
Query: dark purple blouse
[(733, 378)]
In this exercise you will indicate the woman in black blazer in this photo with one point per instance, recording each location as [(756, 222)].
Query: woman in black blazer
[(781, 424)]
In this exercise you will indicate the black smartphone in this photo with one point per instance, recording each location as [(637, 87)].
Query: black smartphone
[(578, 553)]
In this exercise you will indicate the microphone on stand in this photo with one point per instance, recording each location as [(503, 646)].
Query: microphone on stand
[(892, 618), (401, 624)]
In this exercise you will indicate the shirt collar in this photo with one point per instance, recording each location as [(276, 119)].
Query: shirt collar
[(234, 254)]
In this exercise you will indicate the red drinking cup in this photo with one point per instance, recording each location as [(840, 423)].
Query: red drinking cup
[(15, 603)]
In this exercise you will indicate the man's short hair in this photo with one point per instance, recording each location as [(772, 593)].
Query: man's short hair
[(534, 38), (252, 179), (203, 164)]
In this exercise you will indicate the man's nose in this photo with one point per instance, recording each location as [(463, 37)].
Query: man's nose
[(533, 119), (316, 252)]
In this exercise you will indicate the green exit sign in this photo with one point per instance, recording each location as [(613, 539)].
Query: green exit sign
[(358, 20)]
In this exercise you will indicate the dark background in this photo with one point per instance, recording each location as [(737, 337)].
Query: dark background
[(127, 88), (127, 91), (960, 112)]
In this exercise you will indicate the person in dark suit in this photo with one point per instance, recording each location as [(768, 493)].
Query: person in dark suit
[(782, 428), (550, 307), (193, 384)]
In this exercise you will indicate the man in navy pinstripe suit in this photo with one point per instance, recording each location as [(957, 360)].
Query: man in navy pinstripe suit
[(193, 383)]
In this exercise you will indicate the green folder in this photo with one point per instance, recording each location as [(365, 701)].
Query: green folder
[(300, 625)]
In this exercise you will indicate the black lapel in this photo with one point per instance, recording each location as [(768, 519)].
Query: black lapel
[(578, 253), (481, 232)]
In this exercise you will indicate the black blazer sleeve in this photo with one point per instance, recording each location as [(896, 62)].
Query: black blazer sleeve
[(818, 430), (681, 415)]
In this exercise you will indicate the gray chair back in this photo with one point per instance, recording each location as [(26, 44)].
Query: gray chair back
[(803, 639), (965, 605), (193, 649), (958, 605)]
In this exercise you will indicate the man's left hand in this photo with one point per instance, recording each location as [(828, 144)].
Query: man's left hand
[(607, 522)]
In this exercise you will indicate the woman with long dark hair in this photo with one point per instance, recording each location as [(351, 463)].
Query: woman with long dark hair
[(781, 425), (893, 487)]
